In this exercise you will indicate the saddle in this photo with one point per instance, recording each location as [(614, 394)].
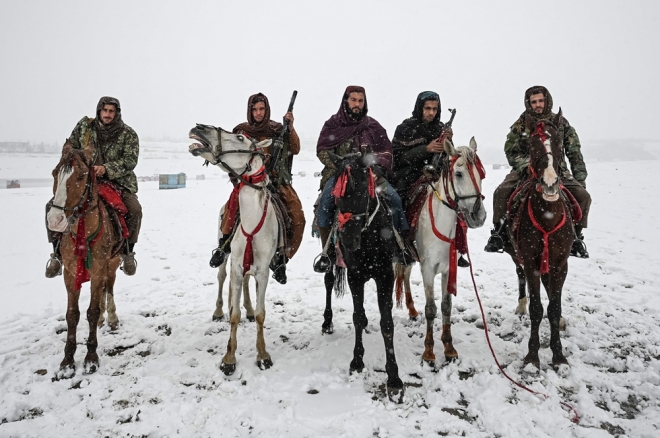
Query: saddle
[(518, 200), (285, 224), (110, 195)]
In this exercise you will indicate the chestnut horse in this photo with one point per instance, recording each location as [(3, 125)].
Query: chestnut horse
[(87, 246), (541, 234), (455, 198)]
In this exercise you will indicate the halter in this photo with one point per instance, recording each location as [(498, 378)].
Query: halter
[(253, 150), (82, 207), (340, 190), (447, 177)]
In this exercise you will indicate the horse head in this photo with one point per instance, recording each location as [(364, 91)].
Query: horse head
[(230, 152), (465, 175), (355, 194), (545, 154), (71, 185)]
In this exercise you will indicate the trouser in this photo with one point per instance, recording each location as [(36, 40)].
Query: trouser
[(133, 218), (325, 213), (295, 211), (508, 186)]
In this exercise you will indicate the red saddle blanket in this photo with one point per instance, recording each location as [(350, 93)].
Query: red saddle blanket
[(112, 197)]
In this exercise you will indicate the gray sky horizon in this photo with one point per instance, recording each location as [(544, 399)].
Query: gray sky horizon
[(174, 64)]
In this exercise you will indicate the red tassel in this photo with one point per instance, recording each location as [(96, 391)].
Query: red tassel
[(343, 218)]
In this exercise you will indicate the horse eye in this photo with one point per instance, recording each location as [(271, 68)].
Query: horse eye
[(459, 174), (241, 138)]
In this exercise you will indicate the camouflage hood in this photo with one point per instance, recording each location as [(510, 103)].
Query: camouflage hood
[(547, 111), (111, 131)]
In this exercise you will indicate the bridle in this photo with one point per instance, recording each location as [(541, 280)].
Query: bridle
[(447, 177), (82, 207), (541, 132), (252, 151), (339, 191)]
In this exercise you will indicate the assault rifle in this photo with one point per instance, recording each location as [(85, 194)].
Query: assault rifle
[(436, 158), (278, 143)]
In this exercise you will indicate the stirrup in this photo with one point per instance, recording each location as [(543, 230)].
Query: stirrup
[(128, 263), (495, 244), (322, 264), (579, 249), (218, 257), (53, 266)]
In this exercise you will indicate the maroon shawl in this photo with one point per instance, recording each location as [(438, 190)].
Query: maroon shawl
[(364, 131)]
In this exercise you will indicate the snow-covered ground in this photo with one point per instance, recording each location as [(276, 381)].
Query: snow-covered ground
[(159, 373)]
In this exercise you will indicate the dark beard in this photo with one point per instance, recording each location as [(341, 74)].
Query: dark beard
[(355, 116)]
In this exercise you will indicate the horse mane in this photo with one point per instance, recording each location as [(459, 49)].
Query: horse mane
[(467, 153)]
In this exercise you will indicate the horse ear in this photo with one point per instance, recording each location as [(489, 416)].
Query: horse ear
[(449, 148), (264, 143), (335, 159), (557, 119), (473, 144)]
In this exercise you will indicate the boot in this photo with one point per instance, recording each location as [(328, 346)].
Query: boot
[(322, 263), (54, 264), (219, 254), (278, 266), (402, 256), (496, 240), (129, 265), (462, 262), (579, 249)]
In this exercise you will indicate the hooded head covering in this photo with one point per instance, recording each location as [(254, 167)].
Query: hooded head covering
[(264, 129), (536, 89), (110, 131), (422, 97), (364, 131)]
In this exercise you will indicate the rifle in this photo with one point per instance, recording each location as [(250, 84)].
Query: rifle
[(436, 158), (278, 144)]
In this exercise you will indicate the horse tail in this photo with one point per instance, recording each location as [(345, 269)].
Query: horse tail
[(340, 281), (398, 272)]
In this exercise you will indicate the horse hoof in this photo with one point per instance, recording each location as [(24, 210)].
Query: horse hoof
[(250, 318), (114, 326), (430, 364), (534, 362), (65, 372), (228, 368), (413, 317), (218, 318), (451, 358), (91, 367), (395, 393), (100, 324), (265, 364), (327, 329)]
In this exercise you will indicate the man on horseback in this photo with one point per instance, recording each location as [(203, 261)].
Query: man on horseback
[(417, 140), (538, 104), (118, 149), (351, 130), (259, 127)]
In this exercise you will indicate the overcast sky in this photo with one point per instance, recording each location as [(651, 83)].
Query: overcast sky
[(172, 64)]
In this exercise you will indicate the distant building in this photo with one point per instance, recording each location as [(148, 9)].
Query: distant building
[(172, 181)]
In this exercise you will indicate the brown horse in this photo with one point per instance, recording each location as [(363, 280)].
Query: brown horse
[(541, 234), (88, 246)]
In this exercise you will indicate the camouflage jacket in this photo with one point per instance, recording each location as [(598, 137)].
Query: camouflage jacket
[(119, 156), (516, 149)]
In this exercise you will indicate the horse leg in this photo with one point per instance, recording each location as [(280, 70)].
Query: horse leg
[(247, 303), (359, 320), (228, 365), (522, 295), (384, 287), (218, 314), (102, 307), (72, 318), (535, 313), (264, 360), (329, 281), (113, 319), (91, 363), (430, 312), (410, 304), (445, 308), (556, 283), (550, 287)]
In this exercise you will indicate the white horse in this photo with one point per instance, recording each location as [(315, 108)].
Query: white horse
[(455, 196), (256, 238)]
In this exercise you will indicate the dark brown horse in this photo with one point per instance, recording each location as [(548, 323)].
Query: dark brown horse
[(541, 234), (88, 247)]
